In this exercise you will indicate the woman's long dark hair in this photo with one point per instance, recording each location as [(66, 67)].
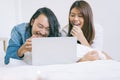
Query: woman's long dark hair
[(88, 27), (53, 22)]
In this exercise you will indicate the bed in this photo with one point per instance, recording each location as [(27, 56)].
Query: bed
[(94, 70), (89, 70)]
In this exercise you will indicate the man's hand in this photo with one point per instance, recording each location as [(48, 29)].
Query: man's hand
[(26, 47)]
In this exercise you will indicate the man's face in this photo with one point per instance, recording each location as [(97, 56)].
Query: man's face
[(40, 26)]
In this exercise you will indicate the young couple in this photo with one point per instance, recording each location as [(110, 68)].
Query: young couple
[(44, 23)]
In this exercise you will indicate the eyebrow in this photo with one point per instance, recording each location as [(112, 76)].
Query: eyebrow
[(76, 13)]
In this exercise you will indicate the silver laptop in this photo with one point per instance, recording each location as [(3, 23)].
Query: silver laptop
[(54, 50)]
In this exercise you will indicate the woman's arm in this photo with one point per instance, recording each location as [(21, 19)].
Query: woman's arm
[(78, 33)]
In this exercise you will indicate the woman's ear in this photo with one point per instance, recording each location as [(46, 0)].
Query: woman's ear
[(32, 22)]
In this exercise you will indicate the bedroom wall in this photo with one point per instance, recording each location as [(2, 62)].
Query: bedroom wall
[(7, 17), (106, 13)]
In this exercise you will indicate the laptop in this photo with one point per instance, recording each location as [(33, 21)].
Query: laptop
[(54, 50)]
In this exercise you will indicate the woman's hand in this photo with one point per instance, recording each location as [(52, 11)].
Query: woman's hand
[(77, 32), (90, 56)]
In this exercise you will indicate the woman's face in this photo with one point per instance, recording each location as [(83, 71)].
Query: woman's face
[(40, 26), (76, 18)]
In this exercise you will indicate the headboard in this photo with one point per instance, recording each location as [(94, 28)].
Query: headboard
[(4, 41)]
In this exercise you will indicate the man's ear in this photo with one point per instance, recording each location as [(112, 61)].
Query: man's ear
[(32, 22)]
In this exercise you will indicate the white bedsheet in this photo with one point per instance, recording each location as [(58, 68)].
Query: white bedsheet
[(95, 70)]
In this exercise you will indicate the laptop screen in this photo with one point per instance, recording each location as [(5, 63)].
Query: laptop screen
[(54, 50)]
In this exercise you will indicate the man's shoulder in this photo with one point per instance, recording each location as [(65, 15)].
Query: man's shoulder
[(21, 25), (20, 28)]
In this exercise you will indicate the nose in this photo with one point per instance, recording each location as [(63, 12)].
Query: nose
[(43, 31), (76, 18)]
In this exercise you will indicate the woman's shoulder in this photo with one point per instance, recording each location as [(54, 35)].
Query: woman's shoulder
[(64, 30)]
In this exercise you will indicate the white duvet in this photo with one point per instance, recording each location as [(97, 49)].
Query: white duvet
[(94, 70)]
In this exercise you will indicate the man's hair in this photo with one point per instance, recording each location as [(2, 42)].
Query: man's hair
[(52, 19)]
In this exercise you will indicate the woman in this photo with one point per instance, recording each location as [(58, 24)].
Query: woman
[(42, 24), (82, 27)]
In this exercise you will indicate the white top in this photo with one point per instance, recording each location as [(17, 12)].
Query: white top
[(98, 40)]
